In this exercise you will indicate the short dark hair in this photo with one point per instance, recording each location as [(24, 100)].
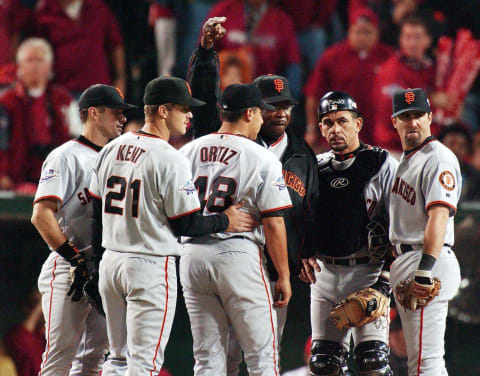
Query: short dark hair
[(84, 113), (232, 116), (456, 128), (150, 110), (416, 20)]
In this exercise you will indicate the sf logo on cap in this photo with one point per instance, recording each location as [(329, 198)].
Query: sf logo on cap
[(188, 87), (120, 92), (278, 85), (409, 97)]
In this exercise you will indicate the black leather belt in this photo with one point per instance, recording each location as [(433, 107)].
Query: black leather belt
[(407, 247), (345, 262)]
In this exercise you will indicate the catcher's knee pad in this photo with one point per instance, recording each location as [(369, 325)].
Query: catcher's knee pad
[(371, 358), (328, 358)]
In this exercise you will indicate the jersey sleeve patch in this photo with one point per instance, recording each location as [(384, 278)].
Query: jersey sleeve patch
[(49, 175), (279, 183), (188, 188), (447, 180)]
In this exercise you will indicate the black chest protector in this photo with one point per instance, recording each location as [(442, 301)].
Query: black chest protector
[(340, 210)]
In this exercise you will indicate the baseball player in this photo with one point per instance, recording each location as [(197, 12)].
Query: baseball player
[(143, 198), (224, 276), (75, 334), (355, 181), (298, 160), (423, 201)]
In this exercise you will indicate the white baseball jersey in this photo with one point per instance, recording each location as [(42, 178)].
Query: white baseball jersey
[(376, 192), (75, 333), (65, 176), (143, 182), (278, 147), (229, 169), (427, 176)]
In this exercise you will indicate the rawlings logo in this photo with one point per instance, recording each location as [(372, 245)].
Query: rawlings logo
[(338, 183), (409, 97), (278, 85)]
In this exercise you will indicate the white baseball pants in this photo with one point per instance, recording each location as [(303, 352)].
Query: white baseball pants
[(225, 284), (75, 332), (334, 283), (139, 295), (424, 329), (234, 355)]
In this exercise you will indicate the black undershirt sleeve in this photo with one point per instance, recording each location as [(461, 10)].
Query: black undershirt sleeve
[(276, 213), (97, 228), (196, 224)]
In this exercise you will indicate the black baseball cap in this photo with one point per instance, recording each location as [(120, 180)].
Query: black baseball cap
[(168, 89), (274, 89), (103, 95), (410, 100), (242, 96)]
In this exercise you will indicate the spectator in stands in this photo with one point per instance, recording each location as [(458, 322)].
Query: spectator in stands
[(458, 139), (393, 12), (87, 43), (33, 116), (162, 18), (311, 19), (26, 341), (7, 30), (409, 68), (234, 69), (348, 66), (266, 32)]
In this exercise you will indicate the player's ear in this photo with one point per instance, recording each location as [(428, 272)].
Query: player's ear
[(359, 123), (162, 111), (248, 114), (394, 122)]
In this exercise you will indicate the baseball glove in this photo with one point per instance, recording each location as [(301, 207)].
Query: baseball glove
[(413, 295), (90, 290), (360, 308)]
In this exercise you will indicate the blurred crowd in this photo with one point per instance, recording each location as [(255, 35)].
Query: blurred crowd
[(51, 50), (54, 49)]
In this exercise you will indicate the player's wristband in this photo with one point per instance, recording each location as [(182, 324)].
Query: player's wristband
[(68, 251), (423, 276), (427, 262)]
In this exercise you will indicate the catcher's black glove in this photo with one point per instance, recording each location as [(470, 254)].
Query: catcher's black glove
[(90, 290), (79, 274)]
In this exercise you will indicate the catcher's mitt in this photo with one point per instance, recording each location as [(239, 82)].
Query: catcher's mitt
[(360, 308), (90, 290), (412, 294)]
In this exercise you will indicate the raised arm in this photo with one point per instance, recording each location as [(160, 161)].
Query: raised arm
[(204, 79)]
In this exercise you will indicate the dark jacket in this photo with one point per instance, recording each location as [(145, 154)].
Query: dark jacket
[(298, 162)]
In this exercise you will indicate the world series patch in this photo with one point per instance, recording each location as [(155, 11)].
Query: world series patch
[(447, 180)]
